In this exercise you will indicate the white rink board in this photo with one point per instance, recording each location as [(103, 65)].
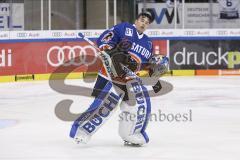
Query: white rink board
[(159, 33)]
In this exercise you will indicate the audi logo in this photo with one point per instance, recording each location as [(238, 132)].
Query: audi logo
[(57, 34), (22, 34), (75, 55)]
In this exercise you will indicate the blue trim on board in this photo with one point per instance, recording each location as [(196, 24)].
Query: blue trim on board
[(44, 40), (195, 38)]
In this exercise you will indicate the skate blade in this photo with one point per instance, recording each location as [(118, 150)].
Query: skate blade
[(80, 141), (128, 144)]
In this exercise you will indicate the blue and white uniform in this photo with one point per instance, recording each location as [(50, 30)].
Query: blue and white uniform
[(132, 130), (141, 46), (140, 50)]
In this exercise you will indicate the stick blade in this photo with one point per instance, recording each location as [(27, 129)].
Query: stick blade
[(157, 87), (80, 35)]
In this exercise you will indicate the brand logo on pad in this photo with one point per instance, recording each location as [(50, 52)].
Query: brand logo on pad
[(109, 103), (141, 105)]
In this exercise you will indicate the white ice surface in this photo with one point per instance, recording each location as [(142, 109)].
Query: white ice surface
[(29, 129)]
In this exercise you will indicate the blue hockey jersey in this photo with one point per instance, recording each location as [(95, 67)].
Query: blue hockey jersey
[(125, 33)]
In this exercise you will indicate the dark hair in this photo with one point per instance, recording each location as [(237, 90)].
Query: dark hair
[(146, 14)]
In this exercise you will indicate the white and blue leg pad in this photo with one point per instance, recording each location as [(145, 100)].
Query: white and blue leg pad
[(135, 114), (97, 114)]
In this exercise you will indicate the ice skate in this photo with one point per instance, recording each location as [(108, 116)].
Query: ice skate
[(127, 143), (82, 137)]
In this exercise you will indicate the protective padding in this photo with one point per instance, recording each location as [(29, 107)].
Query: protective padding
[(135, 114)]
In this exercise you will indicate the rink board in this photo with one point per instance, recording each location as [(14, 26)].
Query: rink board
[(39, 55)]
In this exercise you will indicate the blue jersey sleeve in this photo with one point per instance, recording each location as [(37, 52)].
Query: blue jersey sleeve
[(111, 37)]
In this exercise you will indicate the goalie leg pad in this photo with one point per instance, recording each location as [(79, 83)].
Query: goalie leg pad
[(97, 114), (135, 114)]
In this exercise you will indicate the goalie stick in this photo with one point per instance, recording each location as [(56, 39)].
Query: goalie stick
[(107, 62), (111, 72)]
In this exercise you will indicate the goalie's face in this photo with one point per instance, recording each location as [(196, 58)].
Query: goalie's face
[(142, 24)]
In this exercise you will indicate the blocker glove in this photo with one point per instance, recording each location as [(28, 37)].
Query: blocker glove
[(158, 66), (120, 55)]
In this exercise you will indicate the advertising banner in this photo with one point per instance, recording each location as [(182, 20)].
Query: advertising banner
[(160, 47), (164, 14), (224, 14), (204, 54), (11, 16), (229, 9), (47, 57)]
